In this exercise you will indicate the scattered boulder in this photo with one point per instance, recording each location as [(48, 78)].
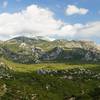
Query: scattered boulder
[(5, 71), (34, 96), (3, 89), (71, 74)]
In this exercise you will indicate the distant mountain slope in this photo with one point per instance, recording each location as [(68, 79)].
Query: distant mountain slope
[(35, 50), (27, 40)]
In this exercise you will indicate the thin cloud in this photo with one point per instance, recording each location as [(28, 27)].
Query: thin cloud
[(5, 4), (18, 0)]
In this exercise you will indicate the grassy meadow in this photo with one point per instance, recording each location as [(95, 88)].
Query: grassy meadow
[(26, 84)]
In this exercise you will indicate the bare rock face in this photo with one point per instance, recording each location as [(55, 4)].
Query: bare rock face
[(80, 44), (92, 55), (23, 45), (53, 54), (88, 56)]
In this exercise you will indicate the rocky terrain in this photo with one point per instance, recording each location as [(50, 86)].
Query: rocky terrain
[(5, 71)]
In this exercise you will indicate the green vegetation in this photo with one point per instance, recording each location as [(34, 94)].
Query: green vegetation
[(27, 84)]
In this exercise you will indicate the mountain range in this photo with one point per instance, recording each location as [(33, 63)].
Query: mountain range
[(38, 49)]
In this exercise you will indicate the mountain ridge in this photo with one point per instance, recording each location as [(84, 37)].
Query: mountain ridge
[(31, 50)]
